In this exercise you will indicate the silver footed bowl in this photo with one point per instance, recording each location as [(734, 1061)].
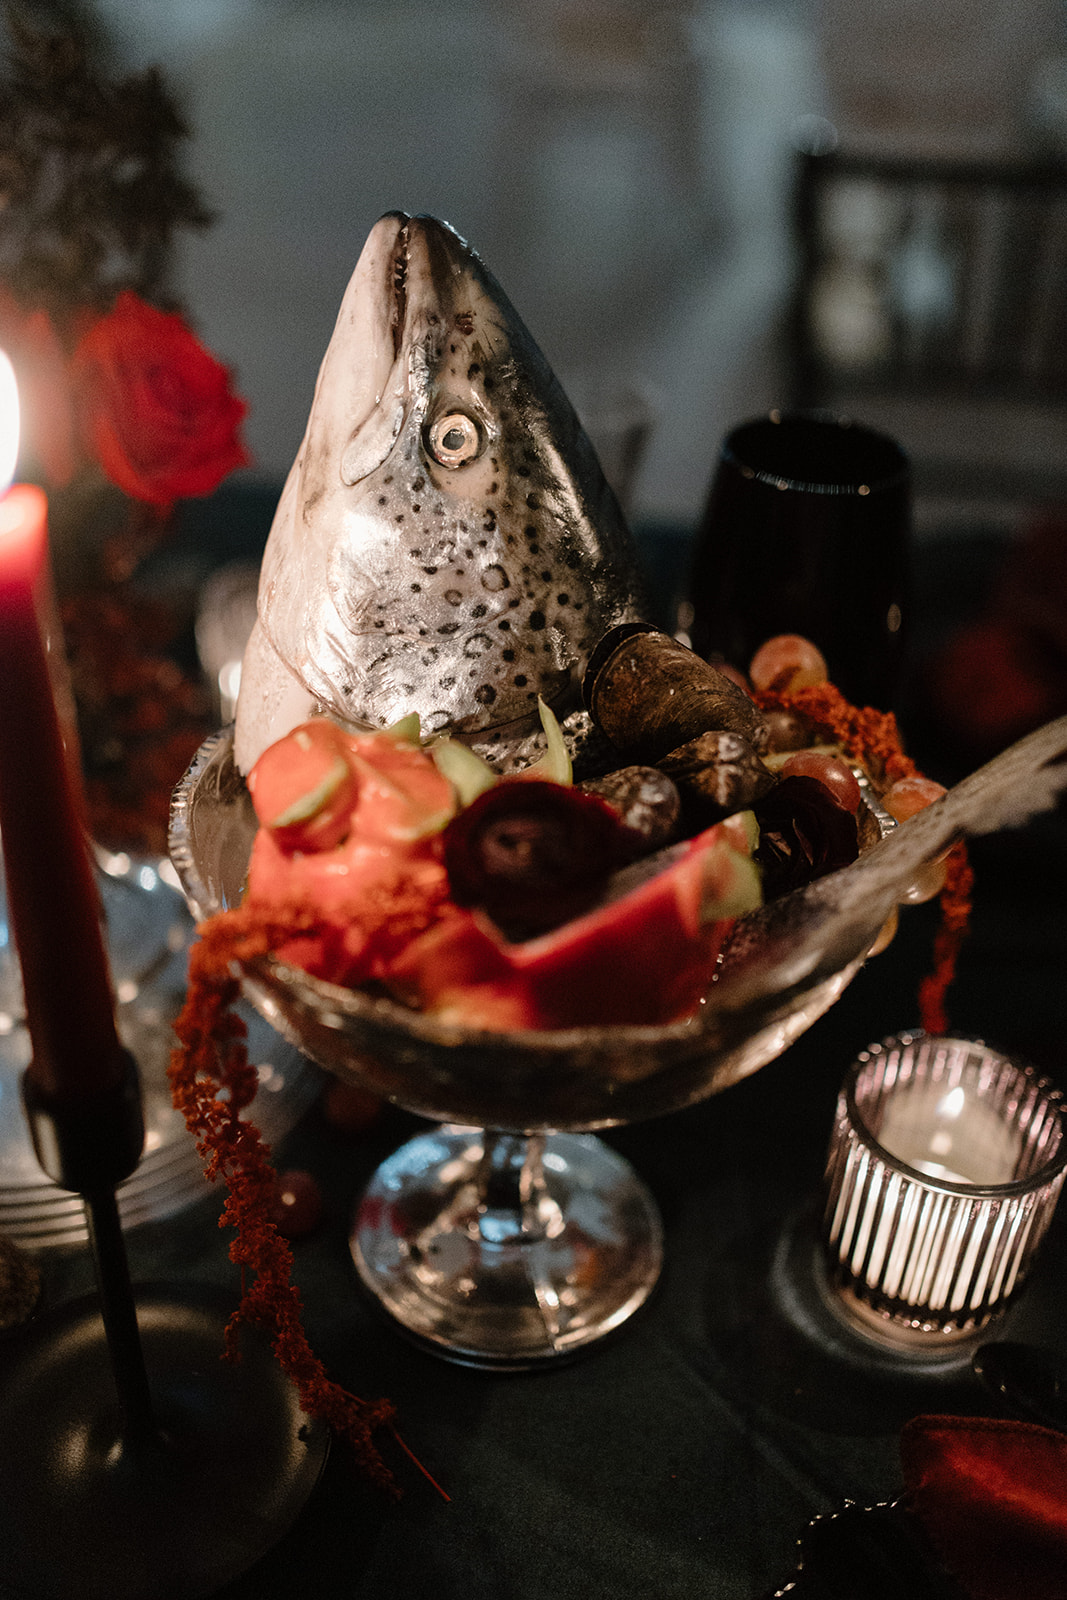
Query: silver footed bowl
[(575, 1079), (512, 1237)]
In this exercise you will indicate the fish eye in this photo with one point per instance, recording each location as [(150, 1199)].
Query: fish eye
[(454, 439)]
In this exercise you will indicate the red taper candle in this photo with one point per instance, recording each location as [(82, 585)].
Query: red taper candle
[(53, 904)]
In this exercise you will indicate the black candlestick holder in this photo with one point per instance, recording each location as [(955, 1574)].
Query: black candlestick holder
[(135, 1461)]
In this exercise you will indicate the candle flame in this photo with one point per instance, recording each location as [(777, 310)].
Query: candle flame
[(9, 422), (951, 1104)]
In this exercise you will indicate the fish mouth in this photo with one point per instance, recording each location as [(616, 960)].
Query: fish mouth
[(398, 284), (413, 279), (423, 269), (380, 306), (399, 294)]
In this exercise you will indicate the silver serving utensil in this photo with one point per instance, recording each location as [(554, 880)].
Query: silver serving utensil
[(821, 929)]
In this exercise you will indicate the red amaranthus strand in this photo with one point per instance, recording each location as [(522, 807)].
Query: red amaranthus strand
[(955, 916), (872, 738), (869, 736), (212, 1081)]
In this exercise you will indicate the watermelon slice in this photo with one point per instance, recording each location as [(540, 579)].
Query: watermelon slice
[(646, 958), (303, 787)]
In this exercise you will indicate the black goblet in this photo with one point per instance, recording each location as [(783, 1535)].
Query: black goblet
[(807, 530)]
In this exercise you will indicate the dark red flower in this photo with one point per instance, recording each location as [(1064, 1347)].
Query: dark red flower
[(804, 834), (533, 854), (156, 408)]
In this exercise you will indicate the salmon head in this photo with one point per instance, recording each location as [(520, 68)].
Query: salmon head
[(446, 542)]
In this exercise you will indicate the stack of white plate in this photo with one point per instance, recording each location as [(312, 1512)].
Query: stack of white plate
[(149, 933)]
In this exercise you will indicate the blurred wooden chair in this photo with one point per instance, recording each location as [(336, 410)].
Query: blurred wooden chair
[(931, 301)]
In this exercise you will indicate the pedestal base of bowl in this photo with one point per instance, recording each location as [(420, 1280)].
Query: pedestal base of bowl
[(507, 1251)]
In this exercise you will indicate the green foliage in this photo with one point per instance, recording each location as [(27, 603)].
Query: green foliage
[(91, 186)]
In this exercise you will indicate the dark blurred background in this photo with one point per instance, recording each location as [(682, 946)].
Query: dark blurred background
[(627, 170), (704, 209)]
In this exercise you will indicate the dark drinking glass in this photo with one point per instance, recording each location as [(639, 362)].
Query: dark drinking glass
[(807, 530)]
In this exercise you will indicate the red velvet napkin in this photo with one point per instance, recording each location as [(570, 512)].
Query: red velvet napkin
[(992, 1497)]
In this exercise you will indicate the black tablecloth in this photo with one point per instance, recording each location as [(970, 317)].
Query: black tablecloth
[(684, 1457)]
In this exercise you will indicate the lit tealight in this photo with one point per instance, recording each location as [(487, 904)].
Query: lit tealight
[(944, 1169)]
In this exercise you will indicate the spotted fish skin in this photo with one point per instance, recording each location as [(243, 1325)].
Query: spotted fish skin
[(446, 542)]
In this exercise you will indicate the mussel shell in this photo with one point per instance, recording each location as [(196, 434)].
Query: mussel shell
[(717, 774), (646, 800), (649, 694)]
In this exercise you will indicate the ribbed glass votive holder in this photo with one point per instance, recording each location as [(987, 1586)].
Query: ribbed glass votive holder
[(945, 1165)]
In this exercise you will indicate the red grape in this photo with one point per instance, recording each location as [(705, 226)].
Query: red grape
[(902, 800), (909, 795), (786, 730), (786, 663), (297, 1205), (833, 774), (735, 675), (928, 881)]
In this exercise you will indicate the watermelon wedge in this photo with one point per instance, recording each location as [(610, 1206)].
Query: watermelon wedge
[(645, 958)]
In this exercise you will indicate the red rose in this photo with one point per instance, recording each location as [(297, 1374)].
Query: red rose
[(156, 407)]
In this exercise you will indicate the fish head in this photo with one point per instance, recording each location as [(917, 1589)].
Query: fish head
[(446, 542)]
